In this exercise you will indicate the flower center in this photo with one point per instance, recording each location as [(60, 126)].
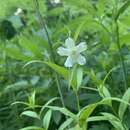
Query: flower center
[(73, 52)]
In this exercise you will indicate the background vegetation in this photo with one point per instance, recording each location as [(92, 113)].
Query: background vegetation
[(34, 88)]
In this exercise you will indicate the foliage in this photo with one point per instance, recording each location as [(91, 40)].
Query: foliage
[(37, 92)]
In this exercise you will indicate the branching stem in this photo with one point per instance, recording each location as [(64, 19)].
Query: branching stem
[(44, 26)]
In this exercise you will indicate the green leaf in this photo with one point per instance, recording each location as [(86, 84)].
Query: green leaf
[(125, 39), (122, 9), (49, 102), (97, 118), (86, 112), (79, 29), (62, 71), (105, 101), (32, 128), (14, 52), (18, 102), (77, 127), (33, 61), (123, 107), (30, 45), (108, 117), (31, 114), (47, 119), (17, 86), (56, 11), (104, 93), (86, 23), (32, 99), (114, 121), (63, 111), (79, 77), (82, 5), (65, 124)]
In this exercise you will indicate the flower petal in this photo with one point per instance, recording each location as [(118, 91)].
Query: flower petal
[(63, 51), (69, 43), (81, 59), (81, 47), (68, 62)]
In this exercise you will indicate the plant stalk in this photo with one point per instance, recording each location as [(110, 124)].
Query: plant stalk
[(44, 26), (120, 54), (77, 99), (116, 15)]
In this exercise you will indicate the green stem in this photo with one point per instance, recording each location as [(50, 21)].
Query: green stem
[(59, 90), (120, 54), (15, 109), (104, 27), (116, 15), (77, 99), (44, 26), (122, 9), (71, 74), (88, 88)]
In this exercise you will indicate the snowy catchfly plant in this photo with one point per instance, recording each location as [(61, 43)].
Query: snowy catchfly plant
[(73, 52)]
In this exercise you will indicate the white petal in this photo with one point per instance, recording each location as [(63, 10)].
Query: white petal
[(63, 51), (81, 47), (81, 59), (19, 10), (68, 62), (69, 43)]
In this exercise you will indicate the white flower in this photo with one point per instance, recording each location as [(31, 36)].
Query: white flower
[(55, 1), (18, 11), (72, 52)]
